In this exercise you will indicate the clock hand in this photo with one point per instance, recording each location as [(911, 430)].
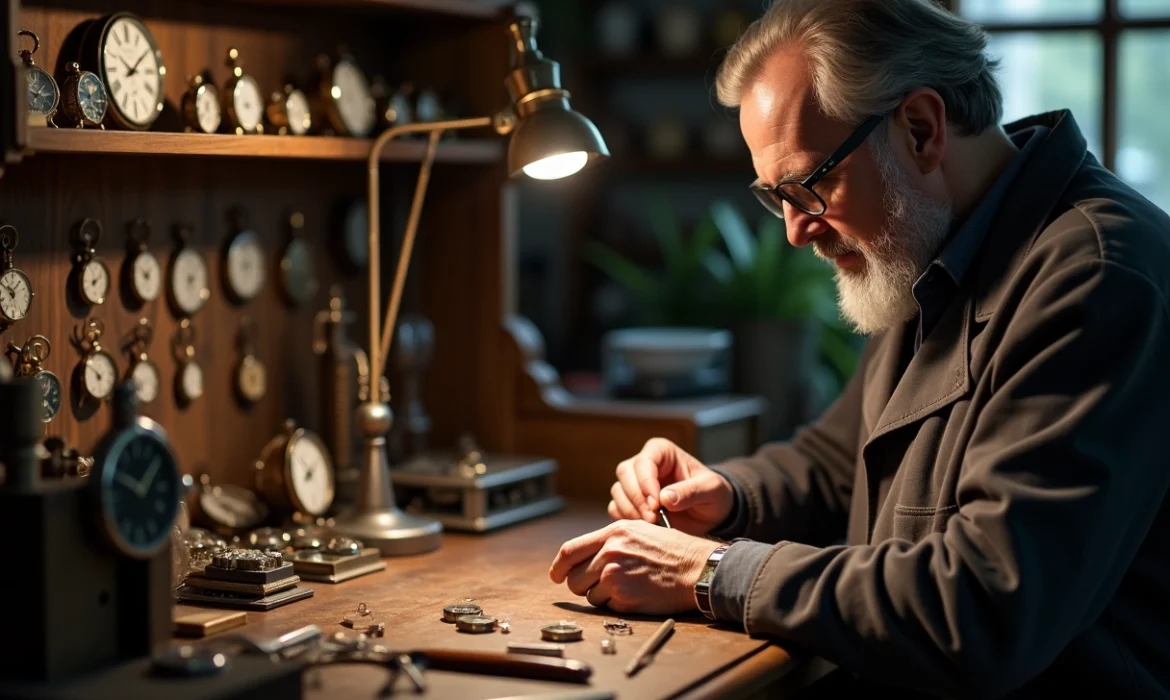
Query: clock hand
[(124, 479), (148, 478), (127, 66), (134, 69), (94, 370)]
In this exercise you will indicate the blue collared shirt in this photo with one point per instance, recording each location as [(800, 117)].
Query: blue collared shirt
[(937, 286)]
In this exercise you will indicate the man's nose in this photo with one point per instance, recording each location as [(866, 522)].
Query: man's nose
[(802, 228)]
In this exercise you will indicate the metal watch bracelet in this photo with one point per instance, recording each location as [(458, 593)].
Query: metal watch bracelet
[(703, 586)]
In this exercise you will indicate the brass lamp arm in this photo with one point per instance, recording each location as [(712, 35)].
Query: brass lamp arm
[(380, 341)]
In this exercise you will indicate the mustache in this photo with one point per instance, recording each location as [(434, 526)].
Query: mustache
[(829, 249)]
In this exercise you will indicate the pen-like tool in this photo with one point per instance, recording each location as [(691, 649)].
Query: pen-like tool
[(663, 520), (650, 648)]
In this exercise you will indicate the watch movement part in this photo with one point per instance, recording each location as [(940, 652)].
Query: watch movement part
[(562, 632), (452, 613), (476, 624)]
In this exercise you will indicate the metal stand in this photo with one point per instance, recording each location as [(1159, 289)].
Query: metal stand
[(375, 519)]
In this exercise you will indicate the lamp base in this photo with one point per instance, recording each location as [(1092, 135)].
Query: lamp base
[(375, 519)]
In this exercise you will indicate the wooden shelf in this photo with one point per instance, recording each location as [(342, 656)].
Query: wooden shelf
[(684, 165), (49, 140), (471, 9)]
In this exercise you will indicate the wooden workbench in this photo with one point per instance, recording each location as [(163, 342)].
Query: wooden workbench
[(507, 574)]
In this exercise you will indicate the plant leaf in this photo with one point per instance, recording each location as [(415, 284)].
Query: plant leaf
[(625, 272), (736, 234), (666, 231)]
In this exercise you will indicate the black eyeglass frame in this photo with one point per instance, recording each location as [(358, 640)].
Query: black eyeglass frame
[(773, 196)]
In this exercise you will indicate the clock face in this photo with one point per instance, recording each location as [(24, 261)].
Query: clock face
[(42, 92), (351, 93), (147, 277), (300, 118), (207, 109), (245, 266), (189, 285), (310, 474), (95, 282), (132, 67), (15, 295), (50, 388), (248, 104), (139, 493), (191, 381), (146, 381), (299, 274), (99, 375), (91, 97), (252, 380)]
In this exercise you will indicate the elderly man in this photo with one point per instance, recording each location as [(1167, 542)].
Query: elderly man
[(983, 512)]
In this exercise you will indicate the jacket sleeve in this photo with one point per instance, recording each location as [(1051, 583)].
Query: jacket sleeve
[(800, 490), (1064, 474)]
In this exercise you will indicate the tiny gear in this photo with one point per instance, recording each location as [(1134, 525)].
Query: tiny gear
[(452, 613)]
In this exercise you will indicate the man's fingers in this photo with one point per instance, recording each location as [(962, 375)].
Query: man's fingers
[(625, 509), (578, 550), (585, 575), (682, 495), (629, 481)]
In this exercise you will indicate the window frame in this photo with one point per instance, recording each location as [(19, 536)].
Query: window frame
[(1109, 27)]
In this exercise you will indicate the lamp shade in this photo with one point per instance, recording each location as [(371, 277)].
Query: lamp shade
[(550, 140)]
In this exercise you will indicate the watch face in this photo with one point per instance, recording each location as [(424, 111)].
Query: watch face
[(95, 282), (189, 285), (252, 380), (299, 114), (15, 295), (42, 92), (299, 274), (132, 67), (248, 104), (310, 474), (207, 109), (191, 381), (351, 93), (139, 492), (232, 506), (356, 235), (245, 266), (99, 375), (146, 381), (91, 97), (50, 388), (147, 277)]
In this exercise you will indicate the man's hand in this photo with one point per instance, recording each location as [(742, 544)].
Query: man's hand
[(663, 474), (633, 566)]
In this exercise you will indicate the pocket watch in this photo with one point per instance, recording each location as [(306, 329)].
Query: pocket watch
[(16, 292), (189, 377), (136, 482), (28, 363), (242, 101), (83, 98), (189, 287), (43, 95), (201, 110), (343, 100), (392, 106), (143, 372), (294, 472), (228, 508), (99, 371), (251, 377), (289, 112), (244, 263), (298, 274), (126, 58), (143, 273), (93, 277)]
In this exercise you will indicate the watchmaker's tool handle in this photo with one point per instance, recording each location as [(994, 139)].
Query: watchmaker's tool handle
[(510, 665)]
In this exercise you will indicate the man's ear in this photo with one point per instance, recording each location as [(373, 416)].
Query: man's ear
[(922, 117)]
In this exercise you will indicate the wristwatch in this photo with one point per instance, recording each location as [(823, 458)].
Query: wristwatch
[(703, 587)]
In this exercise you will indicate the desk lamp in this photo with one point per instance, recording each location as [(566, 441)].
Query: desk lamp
[(549, 141)]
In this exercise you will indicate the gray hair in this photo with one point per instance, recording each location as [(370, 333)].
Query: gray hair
[(866, 55)]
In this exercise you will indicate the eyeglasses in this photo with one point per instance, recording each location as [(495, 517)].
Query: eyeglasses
[(800, 193)]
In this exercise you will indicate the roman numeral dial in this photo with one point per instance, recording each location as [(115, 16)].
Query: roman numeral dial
[(132, 66)]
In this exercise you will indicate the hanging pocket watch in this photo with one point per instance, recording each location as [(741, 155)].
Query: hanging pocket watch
[(343, 102), (142, 274), (83, 98), (251, 377), (99, 371), (189, 377), (289, 112), (16, 292), (143, 372), (242, 101), (244, 262), (298, 275), (294, 472), (93, 277), (29, 363), (201, 110), (43, 94), (189, 287)]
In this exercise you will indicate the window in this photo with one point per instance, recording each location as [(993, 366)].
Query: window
[(1106, 60)]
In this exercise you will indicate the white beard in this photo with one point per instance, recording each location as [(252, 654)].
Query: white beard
[(880, 296)]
